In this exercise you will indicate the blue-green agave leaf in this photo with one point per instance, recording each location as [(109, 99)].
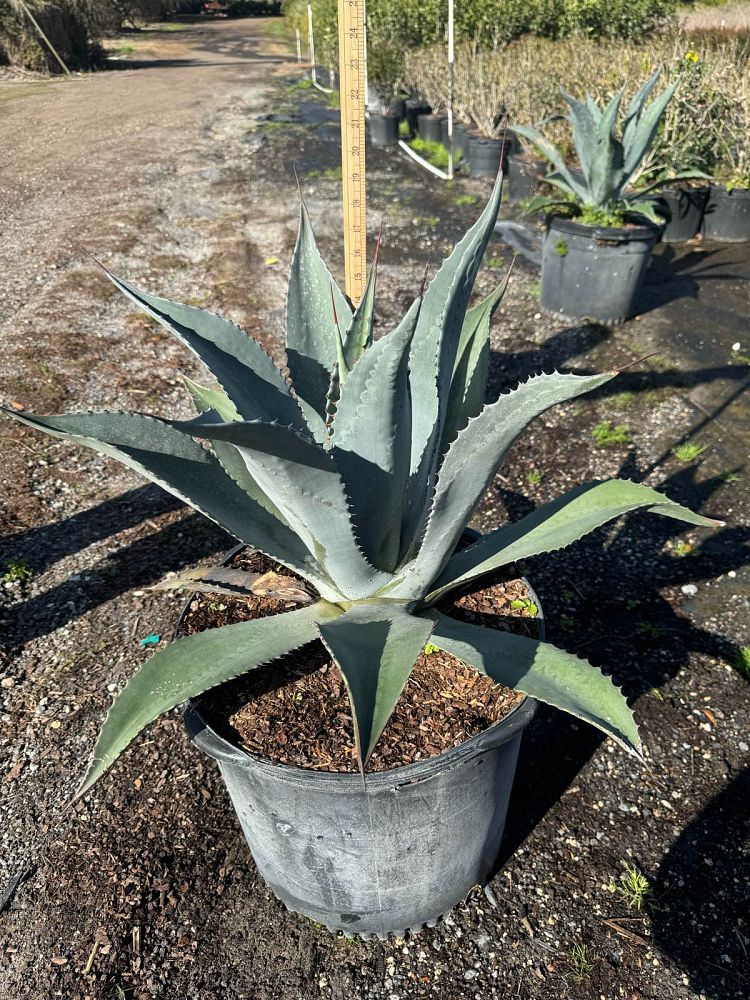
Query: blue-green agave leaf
[(433, 354), (551, 153), (470, 466), (471, 367), (640, 133), (247, 374), (190, 666), (544, 672), (557, 524), (311, 330), (372, 441), (375, 647), (304, 483), (177, 463)]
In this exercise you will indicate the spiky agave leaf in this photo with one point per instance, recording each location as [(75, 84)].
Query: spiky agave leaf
[(542, 671), (190, 666), (471, 367), (304, 482), (375, 647), (173, 460), (557, 524), (310, 330), (470, 466), (372, 441), (240, 365), (432, 361)]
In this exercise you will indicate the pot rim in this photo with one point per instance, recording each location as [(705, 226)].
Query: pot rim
[(220, 748), (619, 234), (721, 189)]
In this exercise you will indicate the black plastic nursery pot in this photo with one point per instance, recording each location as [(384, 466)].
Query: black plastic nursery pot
[(727, 215), (485, 156), (524, 177), (383, 856), (414, 107), (398, 108), (430, 127), (593, 272), (384, 130), (683, 210), (462, 136)]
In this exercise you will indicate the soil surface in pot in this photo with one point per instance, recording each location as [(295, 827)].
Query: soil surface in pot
[(296, 710)]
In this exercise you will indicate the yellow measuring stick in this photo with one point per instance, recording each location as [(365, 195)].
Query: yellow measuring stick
[(352, 86)]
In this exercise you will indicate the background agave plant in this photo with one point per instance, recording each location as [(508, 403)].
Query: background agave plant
[(359, 473), (607, 163)]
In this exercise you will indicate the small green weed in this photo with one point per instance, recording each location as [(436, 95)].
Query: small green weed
[(633, 888), (688, 452), (579, 964), (466, 199), (495, 263), (18, 570), (534, 477), (429, 220), (608, 435), (333, 100), (431, 648), (730, 476), (561, 248), (682, 549), (591, 216), (657, 694), (300, 85), (535, 290), (622, 400), (403, 130), (525, 604), (742, 661)]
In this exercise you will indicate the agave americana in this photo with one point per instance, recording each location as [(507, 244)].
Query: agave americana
[(608, 163), (359, 472)]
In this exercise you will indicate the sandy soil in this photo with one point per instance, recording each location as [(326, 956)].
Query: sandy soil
[(173, 174)]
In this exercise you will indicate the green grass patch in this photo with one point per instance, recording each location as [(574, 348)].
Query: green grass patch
[(432, 151), (466, 199), (403, 129), (609, 435), (741, 661), (688, 452), (18, 570)]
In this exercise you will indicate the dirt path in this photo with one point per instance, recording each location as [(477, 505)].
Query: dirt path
[(145, 889)]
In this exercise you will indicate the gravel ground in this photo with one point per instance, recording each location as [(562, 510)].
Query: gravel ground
[(173, 175)]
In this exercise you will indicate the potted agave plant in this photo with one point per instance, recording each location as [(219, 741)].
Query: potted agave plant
[(599, 234), (357, 475)]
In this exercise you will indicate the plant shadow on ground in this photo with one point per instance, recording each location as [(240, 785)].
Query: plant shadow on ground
[(674, 274), (630, 625), (138, 564)]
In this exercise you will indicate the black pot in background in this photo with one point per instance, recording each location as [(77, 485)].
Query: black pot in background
[(430, 127), (414, 107), (382, 857), (398, 108), (462, 136), (727, 215), (594, 272), (485, 156), (524, 177), (384, 130), (682, 209)]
